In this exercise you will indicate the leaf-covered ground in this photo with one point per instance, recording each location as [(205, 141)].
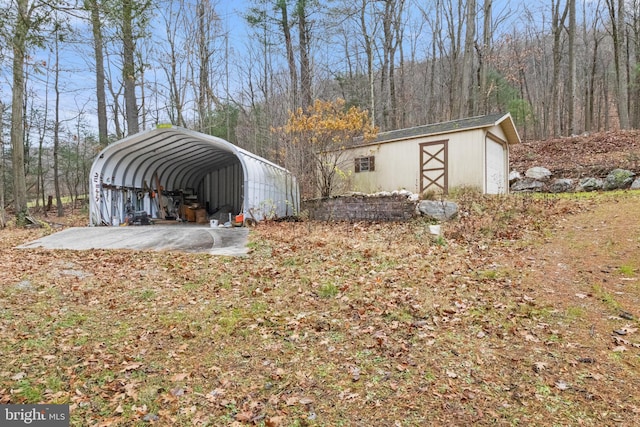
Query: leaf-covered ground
[(523, 313), (580, 156)]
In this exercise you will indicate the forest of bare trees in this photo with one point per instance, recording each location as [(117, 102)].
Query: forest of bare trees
[(78, 76)]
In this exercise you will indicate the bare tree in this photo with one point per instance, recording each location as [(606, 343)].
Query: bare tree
[(94, 8), (573, 128), (468, 94), (617, 16), (3, 219), (304, 32), (129, 67), (557, 27), (29, 21)]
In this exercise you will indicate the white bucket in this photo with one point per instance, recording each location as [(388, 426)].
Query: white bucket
[(213, 223), (115, 221)]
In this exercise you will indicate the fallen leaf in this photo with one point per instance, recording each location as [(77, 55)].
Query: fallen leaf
[(19, 376), (292, 400), (180, 377), (305, 401), (274, 421), (355, 374), (177, 392), (539, 366), (131, 367), (244, 416)]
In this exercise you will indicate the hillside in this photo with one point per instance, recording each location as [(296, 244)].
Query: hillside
[(580, 156)]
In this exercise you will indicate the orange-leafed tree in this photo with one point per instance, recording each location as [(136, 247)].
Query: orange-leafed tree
[(316, 139)]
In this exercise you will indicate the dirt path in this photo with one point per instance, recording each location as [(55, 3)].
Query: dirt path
[(585, 279), (593, 260)]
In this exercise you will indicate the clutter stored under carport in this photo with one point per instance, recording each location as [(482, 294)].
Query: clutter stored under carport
[(174, 173)]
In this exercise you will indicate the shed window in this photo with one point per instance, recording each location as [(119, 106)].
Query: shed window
[(365, 164)]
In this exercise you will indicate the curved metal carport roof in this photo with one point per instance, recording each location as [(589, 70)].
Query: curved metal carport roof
[(179, 159)]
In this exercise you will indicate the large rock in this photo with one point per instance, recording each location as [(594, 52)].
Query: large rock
[(591, 184), (538, 173), (514, 176), (562, 185), (527, 185), (438, 210), (636, 184), (618, 178)]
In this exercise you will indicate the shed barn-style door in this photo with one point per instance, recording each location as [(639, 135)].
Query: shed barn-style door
[(433, 166)]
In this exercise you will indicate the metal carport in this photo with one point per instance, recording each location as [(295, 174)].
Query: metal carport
[(209, 169)]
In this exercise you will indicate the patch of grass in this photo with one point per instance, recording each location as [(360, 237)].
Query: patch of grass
[(440, 241), (191, 286), (328, 290), (575, 312), (225, 281), (229, 321), (258, 308), (71, 320), (606, 297), (627, 270), (291, 262), (54, 383), (402, 316), (145, 294), (29, 392)]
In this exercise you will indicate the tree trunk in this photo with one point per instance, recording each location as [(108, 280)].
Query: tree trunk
[(635, 86), (616, 13), (3, 220), (483, 54), (467, 94), (368, 47), (285, 26), (588, 125), (573, 128), (56, 132), (98, 52), (203, 67), (305, 67), (557, 24), (17, 107), (129, 68)]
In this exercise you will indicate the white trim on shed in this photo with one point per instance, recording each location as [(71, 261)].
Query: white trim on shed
[(216, 171)]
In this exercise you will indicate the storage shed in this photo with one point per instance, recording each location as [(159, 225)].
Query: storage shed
[(170, 173), (472, 152)]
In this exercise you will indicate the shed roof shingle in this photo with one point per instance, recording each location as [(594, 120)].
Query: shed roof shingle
[(444, 127)]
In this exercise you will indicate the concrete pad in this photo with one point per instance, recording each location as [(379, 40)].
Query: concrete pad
[(180, 237)]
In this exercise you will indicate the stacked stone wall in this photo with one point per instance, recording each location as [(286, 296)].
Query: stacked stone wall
[(397, 207)]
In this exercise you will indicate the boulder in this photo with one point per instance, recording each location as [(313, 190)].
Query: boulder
[(561, 185), (538, 173), (514, 176), (618, 178), (438, 210), (527, 185), (590, 184), (636, 184)]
